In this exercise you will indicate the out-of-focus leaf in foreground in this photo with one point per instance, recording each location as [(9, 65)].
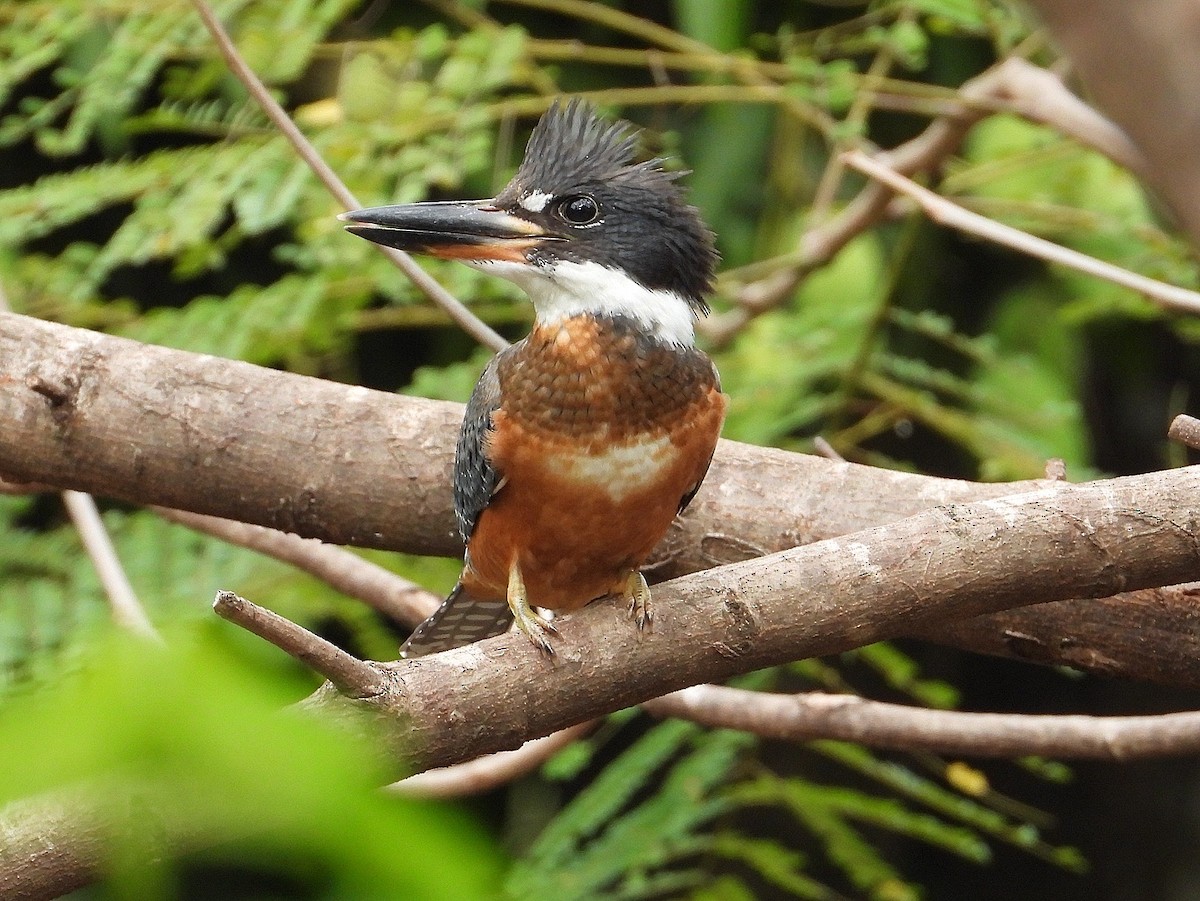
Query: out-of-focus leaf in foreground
[(186, 747)]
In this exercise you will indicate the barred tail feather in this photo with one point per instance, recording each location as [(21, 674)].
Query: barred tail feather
[(462, 619)]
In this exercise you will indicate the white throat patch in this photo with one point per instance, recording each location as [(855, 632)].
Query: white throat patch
[(565, 289)]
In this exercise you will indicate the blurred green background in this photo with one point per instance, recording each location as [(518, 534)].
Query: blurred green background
[(142, 193)]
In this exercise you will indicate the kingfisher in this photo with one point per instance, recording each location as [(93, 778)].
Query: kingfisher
[(583, 441)]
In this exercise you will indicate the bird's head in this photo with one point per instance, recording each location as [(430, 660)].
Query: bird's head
[(582, 228)]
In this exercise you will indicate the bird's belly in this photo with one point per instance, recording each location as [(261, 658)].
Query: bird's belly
[(579, 516), (617, 471)]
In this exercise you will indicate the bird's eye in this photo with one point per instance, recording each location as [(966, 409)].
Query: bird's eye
[(579, 210)]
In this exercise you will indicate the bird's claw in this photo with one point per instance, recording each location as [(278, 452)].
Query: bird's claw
[(637, 592), (529, 622)]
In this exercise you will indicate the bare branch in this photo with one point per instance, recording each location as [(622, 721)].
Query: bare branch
[(1012, 85), (16, 488), (393, 596), (1040, 96), (352, 676), (1155, 624), (127, 611), (946, 212), (234, 440), (492, 771), (827, 450), (815, 715), (948, 563), (468, 321), (51, 845)]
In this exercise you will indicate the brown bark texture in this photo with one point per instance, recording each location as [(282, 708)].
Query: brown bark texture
[(49, 848), (152, 425), (947, 563)]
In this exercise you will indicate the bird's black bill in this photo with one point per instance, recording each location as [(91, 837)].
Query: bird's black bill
[(455, 229)]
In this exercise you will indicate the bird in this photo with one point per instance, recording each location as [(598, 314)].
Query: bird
[(583, 441)]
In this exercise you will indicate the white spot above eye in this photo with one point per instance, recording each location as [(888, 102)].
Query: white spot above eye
[(536, 201)]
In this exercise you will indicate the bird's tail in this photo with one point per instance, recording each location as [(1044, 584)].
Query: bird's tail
[(462, 619)]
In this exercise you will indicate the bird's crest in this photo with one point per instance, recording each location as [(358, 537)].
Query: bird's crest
[(571, 146)]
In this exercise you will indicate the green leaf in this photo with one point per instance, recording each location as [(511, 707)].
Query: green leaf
[(601, 800), (189, 740), (852, 854), (903, 673), (589, 848), (776, 864), (967, 14)]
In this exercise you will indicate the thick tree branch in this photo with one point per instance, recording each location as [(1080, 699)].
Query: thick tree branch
[(815, 715), (50, 846), (156, 426), (947, 563), (348, 465), (1054, 639), (1156, 625), (351, 466), (127, 610)]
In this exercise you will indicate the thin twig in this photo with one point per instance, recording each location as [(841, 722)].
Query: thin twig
[(948, 213), (1186, 430), (854, 122), (1014, 85), (468, 321), (393, 596), (810, 716), (492, 771), (747, 72), (576, 50), (127, 611), (1055, 470), (822, 446), (353, 677)]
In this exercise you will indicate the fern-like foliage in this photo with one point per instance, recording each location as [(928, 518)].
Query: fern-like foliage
[(151, 197), (662, 814)]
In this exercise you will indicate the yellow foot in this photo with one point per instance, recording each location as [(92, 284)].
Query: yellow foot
[(532, 626), (637, 592)]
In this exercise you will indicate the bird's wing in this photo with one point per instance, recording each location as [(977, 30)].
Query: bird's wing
[(687, 498), (462, 619), (691, 492), (475, 477)]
